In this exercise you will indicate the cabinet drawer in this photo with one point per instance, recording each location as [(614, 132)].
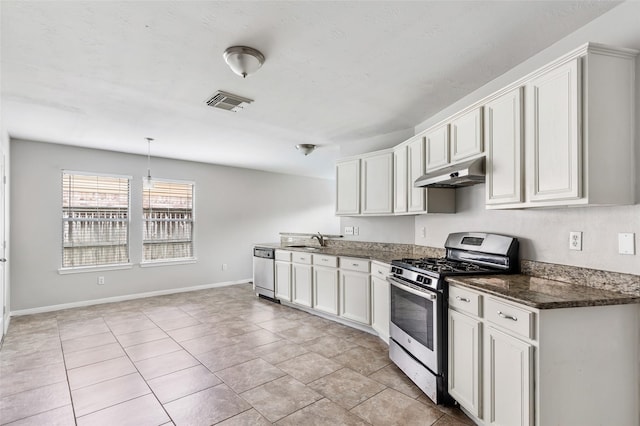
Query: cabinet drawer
[(380, 270), (304, 258), (511, 317), (324, 260), (465, 300), (283, 255), (354, 264)]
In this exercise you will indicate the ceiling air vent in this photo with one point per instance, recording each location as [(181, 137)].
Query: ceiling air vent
[(228, 101)]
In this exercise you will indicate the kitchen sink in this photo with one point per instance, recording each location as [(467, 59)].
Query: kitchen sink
[(305, 247)]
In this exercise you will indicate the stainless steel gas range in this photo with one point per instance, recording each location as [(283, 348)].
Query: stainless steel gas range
[(419, 302)]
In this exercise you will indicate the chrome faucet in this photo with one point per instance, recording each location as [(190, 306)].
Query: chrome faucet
[(320, 239)]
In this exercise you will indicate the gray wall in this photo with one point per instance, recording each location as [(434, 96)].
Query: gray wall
[(234, 208), (545, 232)]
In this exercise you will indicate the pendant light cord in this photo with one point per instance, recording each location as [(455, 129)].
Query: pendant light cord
[(149, 159)]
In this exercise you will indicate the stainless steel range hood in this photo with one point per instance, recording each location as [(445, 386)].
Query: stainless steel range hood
[(462, 174)]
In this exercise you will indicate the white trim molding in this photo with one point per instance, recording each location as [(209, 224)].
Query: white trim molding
[(123, 298)]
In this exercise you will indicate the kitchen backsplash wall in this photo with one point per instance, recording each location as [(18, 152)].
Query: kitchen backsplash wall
[(543, 233)]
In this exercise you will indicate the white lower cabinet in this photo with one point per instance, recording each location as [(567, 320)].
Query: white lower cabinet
[(514, 365), (325, 289), (301, 272), (283, 280), (283, 275), (355, 290), (380, 300), (509, 368), (465, 336), (341, 287)]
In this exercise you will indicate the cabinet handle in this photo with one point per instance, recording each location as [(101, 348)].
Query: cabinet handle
[(325, 260), (501, 315), (355, 264), (463, 299), (380, 272)]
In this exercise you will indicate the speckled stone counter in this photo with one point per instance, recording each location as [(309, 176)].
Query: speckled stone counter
[(543, 293), (371, 253)]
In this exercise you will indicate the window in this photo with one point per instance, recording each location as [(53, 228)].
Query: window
[(168, 221), (95, 220)]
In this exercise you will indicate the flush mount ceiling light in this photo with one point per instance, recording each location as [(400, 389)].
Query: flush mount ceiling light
[(243, 60), (306, 148)]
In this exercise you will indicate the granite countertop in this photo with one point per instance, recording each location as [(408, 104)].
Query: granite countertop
[(383, 256), (543, 293)]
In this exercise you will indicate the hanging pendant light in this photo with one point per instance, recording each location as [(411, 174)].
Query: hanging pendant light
[(147, 182)]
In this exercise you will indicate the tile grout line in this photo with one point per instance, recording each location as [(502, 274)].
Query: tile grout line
[(136, 367), (66, 374)]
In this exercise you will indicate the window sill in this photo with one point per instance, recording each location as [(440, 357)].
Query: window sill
[(151, 264), (85, 269)]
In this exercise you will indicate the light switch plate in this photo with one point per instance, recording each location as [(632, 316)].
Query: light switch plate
[(626, 243), (348, 230), (575, 240)]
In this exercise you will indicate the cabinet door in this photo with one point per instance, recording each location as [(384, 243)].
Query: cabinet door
[(465, 361), (301, 284), (509, 380), (355, 296), (400, 179), (348, 187), (381, 303), (466, 135), (554, 157), (503, 135), (325, 290), (283, 280), (415, 166), (377, 184), (437, 148)]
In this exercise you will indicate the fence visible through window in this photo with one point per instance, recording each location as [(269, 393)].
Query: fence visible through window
[(168, 221), (95, 220)]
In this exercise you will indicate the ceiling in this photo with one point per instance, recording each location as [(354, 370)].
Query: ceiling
[(107, 74)]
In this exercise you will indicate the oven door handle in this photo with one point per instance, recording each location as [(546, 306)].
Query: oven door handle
[(424, 294)]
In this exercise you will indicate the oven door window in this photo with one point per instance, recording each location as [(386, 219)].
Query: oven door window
[(414, 315)]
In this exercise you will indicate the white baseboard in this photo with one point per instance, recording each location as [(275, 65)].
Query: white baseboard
[(62, 306)]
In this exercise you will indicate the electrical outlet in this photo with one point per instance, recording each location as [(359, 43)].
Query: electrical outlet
[(356, 230), (575, 240), (627, 243), (224, 266), (424, 232), (100, 280), (348, 230)]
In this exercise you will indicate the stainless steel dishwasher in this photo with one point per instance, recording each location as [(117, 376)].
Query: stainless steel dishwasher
[(264, 271)]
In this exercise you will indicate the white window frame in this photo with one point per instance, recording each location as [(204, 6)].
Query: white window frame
[(101, 267), (175, 261)]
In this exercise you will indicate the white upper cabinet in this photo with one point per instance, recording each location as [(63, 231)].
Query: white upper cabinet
[(437, 147), (377, 183), (578, 144), (466, 135), (554, 155), (400, 180), (348, 187), (415, 169), (503, 135)]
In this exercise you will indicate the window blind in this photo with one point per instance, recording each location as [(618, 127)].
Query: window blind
[(168, 221), (95, 220)]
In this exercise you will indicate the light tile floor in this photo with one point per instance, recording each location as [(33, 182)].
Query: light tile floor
[(218, 356)]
